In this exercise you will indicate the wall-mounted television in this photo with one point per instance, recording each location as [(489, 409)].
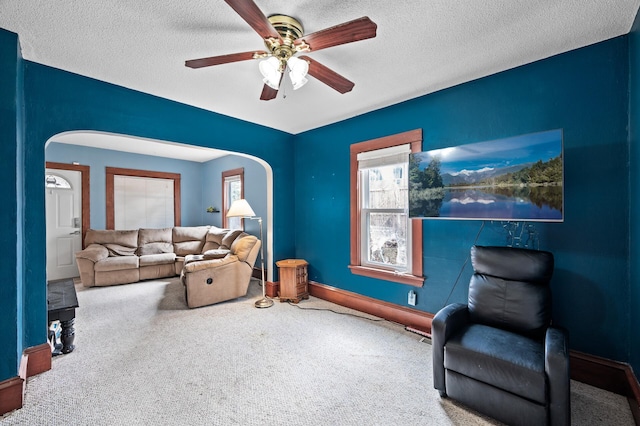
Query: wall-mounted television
[(520, 178)]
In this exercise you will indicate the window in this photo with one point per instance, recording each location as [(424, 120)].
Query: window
[(141, 202), (232, 190), (385, 243), (142, 199)]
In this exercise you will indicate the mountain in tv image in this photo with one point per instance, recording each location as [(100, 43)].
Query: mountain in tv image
[(474, 177)]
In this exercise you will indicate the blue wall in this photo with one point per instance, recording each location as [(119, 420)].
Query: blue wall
[(584, 92), (634, 193), (11, 291), (98, 159), (255, 190)]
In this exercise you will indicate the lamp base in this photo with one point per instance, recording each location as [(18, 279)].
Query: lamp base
[(264, 303)]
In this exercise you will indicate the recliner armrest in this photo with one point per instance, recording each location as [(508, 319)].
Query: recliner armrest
[(199, 265), (447, 321), (556, 365)]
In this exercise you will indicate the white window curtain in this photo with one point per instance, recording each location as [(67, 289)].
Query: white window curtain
[(141, 202)]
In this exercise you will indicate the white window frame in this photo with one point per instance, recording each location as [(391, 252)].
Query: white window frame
[(393, 156), (413, 274)]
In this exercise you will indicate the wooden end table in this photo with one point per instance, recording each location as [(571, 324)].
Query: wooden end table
[(294, 280), (62, 302)]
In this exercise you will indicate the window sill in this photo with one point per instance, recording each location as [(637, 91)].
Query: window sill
[(382, 274)]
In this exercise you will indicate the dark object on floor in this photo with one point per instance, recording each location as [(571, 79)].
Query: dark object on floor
[(62, 302), (499, 353)]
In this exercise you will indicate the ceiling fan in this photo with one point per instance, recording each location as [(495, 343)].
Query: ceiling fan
[(284, 38)]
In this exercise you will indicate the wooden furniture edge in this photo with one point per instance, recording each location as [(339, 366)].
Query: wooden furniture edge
[(603, 373), (35, 360)]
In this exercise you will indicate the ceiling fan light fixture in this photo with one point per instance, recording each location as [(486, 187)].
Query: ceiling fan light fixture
[(298, 70), (270, 70)]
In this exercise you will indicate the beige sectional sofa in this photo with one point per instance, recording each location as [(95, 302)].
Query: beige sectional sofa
[(215, 264)]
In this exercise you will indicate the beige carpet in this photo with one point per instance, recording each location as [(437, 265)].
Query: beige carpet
[(143, 358)]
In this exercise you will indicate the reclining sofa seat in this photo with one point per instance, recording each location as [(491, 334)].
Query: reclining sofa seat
[(126, 256), (220, 274), (498, 354)]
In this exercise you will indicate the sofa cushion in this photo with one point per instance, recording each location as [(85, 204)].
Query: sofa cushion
[(230, 237), (214, 238), (507, 360), (124, 238), (157, 259), (189, 239), (120, 250), (117, 263), (242, 246), (154, 241)]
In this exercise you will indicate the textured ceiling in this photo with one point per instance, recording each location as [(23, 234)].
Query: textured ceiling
[(421, 47)]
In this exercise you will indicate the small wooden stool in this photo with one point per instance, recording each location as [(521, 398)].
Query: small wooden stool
[(294, 280)]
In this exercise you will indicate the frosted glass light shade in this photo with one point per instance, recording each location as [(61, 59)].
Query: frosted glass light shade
[(270, 70), (240, 208), (298, 70)]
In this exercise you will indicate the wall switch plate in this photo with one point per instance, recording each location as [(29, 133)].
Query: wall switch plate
[(411, 299)]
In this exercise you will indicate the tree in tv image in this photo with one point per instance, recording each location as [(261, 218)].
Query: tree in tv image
[(516, 178)]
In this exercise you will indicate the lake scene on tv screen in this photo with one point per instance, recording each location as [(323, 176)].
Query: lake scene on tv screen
[(517, 179)]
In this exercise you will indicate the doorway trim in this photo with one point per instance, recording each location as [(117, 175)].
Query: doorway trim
[(86, 191)]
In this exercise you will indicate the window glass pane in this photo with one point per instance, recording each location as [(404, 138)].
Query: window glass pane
[(233, 192), (387, 238), (53, 181), (387, 187)]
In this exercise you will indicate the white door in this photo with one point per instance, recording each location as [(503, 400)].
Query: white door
[(64, 222)]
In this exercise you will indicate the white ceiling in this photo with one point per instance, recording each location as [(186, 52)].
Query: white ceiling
[(421, 47), (137, 145)]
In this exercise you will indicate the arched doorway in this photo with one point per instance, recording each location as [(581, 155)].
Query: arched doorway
[(136, 146)]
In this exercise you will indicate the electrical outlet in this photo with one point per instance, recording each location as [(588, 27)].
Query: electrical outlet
[(411, 299)]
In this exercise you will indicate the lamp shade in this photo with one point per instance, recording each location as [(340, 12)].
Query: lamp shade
[(270, 70), (240, 208)]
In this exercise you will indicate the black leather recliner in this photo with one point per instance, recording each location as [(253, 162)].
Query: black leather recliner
[(499, 353)]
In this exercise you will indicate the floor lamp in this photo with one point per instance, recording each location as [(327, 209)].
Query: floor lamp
[(241, 208)]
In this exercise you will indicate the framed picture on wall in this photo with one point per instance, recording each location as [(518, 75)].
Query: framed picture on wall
[(520, 178)]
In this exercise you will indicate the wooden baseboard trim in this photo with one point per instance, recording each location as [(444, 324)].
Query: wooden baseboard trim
[(613, 376), (35, 360), (272, 289), (412, 318), (38, 359), (602, 373), (11, 394)]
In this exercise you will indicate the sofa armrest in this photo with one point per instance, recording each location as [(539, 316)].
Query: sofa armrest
[(445, 323), (556, 365), (86, 260), (93, 252)]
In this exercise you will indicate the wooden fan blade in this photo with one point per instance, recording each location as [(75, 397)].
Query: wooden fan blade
[(328, 76), (252, 14), (222, 59), (269, 92), (348, 32)]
